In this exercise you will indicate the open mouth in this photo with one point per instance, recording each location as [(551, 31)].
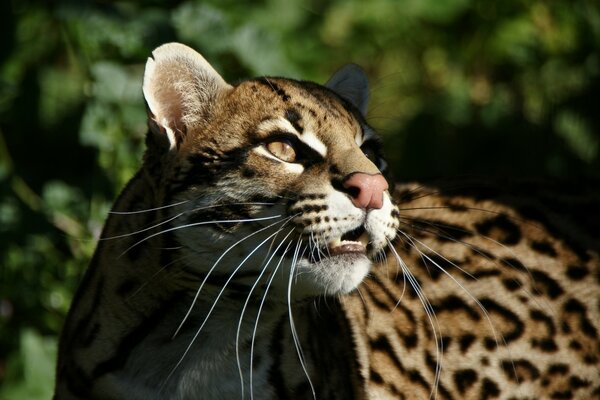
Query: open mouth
[(352, 242), (355, 241)]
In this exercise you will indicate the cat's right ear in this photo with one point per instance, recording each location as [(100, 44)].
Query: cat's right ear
[(180, 87)]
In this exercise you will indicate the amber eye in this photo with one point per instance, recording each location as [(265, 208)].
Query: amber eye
[(282, 150)]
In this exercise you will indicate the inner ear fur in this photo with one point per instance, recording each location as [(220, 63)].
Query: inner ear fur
[(180, 87)]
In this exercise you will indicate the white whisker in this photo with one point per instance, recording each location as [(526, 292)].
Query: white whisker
[(231, 221), (260, 307), (291, 319), (148, 209), (239, 327), (214, 304), (437, 334), (215, 265), (142, 230)]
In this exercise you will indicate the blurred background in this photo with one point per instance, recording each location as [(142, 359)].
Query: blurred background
[(458, 88)]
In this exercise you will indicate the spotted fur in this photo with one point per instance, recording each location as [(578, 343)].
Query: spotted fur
[(242, 261)]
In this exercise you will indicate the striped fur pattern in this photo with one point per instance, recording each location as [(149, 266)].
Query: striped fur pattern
[(259, 253)]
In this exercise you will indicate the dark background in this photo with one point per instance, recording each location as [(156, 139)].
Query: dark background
[(459, 88)]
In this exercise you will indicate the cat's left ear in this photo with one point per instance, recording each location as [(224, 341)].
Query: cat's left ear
[(351, 83)]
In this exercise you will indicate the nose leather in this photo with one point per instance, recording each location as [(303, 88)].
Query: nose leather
[(366, 190)]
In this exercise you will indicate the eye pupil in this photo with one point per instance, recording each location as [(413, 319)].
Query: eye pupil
[(283, 150)]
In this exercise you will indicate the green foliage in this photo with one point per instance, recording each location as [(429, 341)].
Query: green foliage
[(458, 87), (31, 372)]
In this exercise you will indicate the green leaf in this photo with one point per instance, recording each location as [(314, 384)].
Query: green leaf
[(31, 369)]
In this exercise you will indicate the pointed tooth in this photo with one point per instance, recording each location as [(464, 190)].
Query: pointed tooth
[(335, 242), (364, 239)]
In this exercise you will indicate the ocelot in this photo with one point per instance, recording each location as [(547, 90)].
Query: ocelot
[(262, 252)]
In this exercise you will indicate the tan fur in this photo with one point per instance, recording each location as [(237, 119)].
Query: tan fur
[(215, 262)]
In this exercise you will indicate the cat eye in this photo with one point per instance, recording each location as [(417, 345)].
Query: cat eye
[(283, 150)]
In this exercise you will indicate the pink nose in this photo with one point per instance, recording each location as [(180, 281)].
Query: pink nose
[(366, 190)]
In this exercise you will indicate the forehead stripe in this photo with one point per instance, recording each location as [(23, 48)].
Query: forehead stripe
[(293, 116), (314, 142)]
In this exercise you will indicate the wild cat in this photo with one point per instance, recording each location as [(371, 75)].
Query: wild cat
[(261, 253)]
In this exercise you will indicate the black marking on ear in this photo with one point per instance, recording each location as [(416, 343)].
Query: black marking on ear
[(294, 118)]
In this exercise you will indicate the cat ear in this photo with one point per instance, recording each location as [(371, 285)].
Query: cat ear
[(179, 87), (351, 83)]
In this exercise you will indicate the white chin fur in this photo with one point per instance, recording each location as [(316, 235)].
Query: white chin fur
[(330, 276)]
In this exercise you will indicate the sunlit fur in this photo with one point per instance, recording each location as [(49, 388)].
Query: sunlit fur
[(213, 277)]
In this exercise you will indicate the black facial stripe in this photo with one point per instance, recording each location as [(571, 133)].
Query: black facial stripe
[(294, 118), (206, 168), (274, 87)]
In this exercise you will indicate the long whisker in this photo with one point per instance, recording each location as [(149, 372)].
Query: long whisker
[(215, 265), (225, 221), (433, 321), (260, 307), (148, 209), (291, 319), (413, 240), (475, 300), (480, 252), (239, 327), (142, 230), (206, 318), (177, 216), (154, 275)]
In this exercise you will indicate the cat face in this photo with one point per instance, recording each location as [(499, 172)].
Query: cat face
[(273, 173)]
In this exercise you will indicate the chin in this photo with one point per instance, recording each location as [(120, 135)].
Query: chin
[(332, 275)]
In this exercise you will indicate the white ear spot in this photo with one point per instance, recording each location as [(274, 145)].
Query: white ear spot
[(180, 87)]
